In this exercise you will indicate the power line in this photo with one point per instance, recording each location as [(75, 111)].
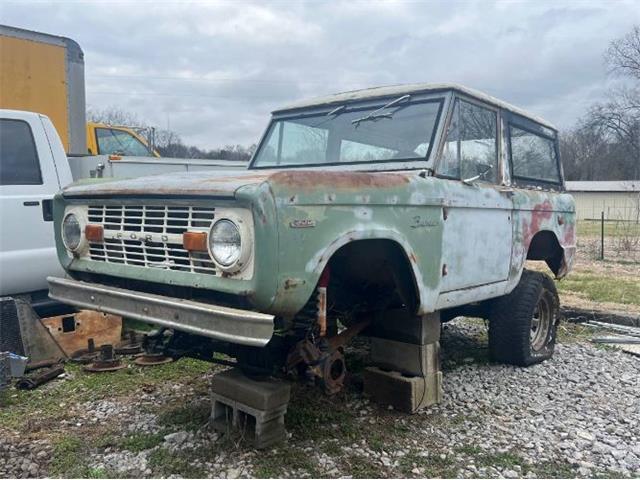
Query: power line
[(205, 79), (162, 94)]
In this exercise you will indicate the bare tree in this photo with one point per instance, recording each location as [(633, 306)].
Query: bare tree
[(114, 116), (619, 115), (583, 150), (622, 122), (623, 54)]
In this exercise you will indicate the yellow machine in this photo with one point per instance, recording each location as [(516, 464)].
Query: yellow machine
[(45, 73)]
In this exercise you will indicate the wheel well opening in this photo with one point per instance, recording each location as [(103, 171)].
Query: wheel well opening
[(368, 276), (545, 246)]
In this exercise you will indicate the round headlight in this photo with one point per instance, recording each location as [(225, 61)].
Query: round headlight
[(225, 242), (71, 232)]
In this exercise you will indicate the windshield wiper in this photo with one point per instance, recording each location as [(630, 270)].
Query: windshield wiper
[(336, 110), (376, 113)]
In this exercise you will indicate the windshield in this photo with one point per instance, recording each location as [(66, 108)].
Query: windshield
[(120, 142), (403, 131)]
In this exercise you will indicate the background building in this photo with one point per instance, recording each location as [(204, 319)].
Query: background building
[(619, 200)]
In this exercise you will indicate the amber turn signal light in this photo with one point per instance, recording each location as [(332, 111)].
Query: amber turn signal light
[(195, 241), (94, 233)]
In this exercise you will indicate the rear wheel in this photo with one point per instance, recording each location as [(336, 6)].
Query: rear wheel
[(522, 324)]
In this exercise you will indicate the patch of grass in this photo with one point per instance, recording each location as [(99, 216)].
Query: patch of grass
[(587, 228), (574, 332), (500, 460), (68, 459), (141, 441), (191, 416), (470, 450), (165, 463), (308, 416), (359, 466), (99, 473), (401, 428), (35, 407), (556, 470), (376, 441), (600, 288), (280, 462), (331, 448), (432, 465)]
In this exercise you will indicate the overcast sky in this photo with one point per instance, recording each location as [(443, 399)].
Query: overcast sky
[(213, 71)]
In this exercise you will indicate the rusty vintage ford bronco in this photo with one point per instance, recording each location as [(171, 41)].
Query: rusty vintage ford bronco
[(389, 203)]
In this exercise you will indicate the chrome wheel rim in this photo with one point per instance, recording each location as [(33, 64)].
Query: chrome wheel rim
[(540, 324)]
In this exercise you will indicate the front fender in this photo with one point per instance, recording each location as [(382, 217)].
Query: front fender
[(309, 236)]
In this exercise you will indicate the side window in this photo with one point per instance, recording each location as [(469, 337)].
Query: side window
[(471, 149), (533, 157), (19, 164), (114, 141)]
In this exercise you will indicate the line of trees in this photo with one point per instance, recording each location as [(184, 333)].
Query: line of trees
[(605, 143)]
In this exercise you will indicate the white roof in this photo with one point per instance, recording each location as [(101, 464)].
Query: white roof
[(604, 186), (397, 90)]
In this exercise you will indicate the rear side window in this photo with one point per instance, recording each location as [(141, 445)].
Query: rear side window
[(533, 156), (19, 163)]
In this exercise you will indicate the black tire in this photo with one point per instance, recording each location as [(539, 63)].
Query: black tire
[(523, 324)]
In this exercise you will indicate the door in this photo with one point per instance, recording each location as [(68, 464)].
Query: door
[(28, 182), (477, 235)]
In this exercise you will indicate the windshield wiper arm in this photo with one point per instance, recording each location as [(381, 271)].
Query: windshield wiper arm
[(336, 110), (376, 113)]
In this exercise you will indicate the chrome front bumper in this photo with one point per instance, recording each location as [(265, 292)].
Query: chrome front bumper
[(221, 323)]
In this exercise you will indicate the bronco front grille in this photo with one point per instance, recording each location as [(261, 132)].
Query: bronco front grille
[(151, 236)]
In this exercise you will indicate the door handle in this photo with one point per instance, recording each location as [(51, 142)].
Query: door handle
[(31, 203), (47, 210)]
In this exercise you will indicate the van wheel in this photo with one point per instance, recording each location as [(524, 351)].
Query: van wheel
[(523, 324)]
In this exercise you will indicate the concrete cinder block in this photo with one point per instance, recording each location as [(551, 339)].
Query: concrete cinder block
[(402, 326), (258, 394), (407, 394), (407, 358), (254, 408)]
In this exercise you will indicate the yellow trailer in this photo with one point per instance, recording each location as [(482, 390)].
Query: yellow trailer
[(45, 74)]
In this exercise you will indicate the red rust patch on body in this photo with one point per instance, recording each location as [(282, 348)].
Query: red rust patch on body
[(309, 179), (540, 213)]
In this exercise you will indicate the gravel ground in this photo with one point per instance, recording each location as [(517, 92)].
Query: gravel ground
[(577, 415)]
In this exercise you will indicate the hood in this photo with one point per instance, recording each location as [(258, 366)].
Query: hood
[(216, 184)]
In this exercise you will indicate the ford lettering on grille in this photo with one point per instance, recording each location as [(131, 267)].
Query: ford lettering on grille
[(151, 236)]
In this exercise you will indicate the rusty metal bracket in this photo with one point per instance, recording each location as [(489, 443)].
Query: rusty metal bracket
[(150, 359), (322, 360), (106, 361)]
